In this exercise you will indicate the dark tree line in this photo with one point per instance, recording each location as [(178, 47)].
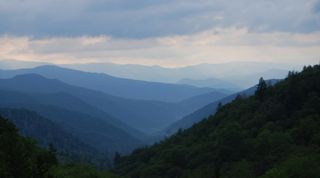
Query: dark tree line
[(20, 157)]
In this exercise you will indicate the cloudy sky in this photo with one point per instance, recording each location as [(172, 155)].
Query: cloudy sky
[(160, 32)]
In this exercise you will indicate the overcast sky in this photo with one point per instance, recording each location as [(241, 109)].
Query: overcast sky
[(162, 32)]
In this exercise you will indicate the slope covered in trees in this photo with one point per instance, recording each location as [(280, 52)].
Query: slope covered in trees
[(20, 157), (275, 133), (210, 109), (46, 133)]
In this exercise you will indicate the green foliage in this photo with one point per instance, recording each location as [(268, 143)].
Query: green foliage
[(273, 134), (241, 169), (47, 133), (302, 165), (261, 89), (20, 157), (78, 171)]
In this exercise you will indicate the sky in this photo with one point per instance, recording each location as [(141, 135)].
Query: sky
[(168, 33)]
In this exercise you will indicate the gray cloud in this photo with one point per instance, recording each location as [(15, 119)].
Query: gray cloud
[(213, 46), (145, 18), (317, 7)]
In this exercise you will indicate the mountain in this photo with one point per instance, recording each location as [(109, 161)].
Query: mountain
[(100, 133), (21, 157), (46, 133), (274, 133), (211, 82), (144, 115), (240, 74), (131, 71), (126, 88), (54, 92), (206, 111)]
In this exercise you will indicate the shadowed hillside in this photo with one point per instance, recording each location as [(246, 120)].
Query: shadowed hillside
[(20, 157), (274, 133), (206, 111), (46, 132)]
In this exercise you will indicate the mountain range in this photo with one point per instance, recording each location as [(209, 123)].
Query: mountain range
[(207, 130), (126, 88), (133, 112), (273, 133), (241, 75), (232, 75), (96, 118), (106, 113)]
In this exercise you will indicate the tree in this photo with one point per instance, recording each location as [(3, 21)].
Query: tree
[(20, 156), (261, 89), (219, 106)]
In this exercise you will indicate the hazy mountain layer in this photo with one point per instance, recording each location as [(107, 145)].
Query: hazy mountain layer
[(241, 74), (94, 131), (126, 88), (145, 115)]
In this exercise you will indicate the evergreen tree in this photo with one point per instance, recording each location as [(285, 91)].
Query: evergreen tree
[(261, 89), (219, 106), (20, 157)]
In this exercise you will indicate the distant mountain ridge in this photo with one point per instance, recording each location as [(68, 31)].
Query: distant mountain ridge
[(86, 114), (137, 113), (126, 88), (241, 74)]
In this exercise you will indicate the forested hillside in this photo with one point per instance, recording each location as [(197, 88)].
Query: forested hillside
[(210, 109), (275, 133), (48, 133), (20, 157)]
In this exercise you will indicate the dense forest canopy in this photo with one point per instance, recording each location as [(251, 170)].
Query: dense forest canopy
[(275, 133), (20, 157), (46, 132)]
